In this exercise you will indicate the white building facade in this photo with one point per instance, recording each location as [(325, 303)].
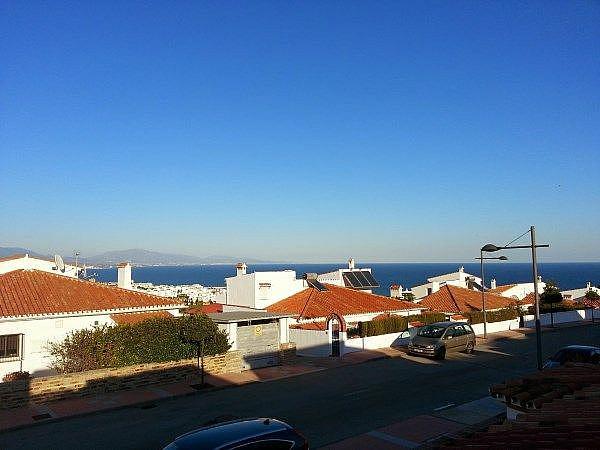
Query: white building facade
[(460, 278), (259, 290)]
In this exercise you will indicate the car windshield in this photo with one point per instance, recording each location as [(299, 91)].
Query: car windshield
[(432, 331), (573, 355)]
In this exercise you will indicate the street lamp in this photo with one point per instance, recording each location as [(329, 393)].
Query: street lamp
[(482, 258), (533, 246)]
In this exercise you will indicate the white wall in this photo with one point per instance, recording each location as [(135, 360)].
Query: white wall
[(261, 289), (29, 263), (375, 342), (38, 332), (561, 317), (494, 327), (311, 342)]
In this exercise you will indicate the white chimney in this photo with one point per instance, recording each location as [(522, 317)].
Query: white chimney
[(124, 275), (435, 286), (493, 283), (396, 291), (589, 285), (351, 263), (240, 269)]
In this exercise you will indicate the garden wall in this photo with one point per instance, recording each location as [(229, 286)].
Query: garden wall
[(82, 384)]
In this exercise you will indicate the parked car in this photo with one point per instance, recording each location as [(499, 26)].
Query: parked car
[(243, 434), (574, 354), (439, 338)]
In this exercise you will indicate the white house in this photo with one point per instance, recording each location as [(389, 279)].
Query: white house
[(260, 289), (574, 294), (26, 262), (460, 278), (38, 307), (321, 314), (351, 277), (517, 290)]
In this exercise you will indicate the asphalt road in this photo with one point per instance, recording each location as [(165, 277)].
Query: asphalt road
[(325, 406)]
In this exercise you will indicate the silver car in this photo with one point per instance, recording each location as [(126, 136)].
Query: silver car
[(439, 338)]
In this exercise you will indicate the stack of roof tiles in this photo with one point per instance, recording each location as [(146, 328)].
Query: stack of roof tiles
[(560, 408)]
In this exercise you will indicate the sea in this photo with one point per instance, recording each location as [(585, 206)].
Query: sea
[(566, 275)]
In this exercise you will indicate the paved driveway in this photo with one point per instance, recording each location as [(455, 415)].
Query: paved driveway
[(326, 406)]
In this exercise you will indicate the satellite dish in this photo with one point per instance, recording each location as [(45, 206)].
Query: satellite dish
[(60, 264)]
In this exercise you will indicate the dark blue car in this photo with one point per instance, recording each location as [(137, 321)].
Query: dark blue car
[(244, 434)]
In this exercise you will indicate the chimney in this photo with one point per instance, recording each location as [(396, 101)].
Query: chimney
[(589, 285), (240, 269), (124, 275), (395, 291), (351, 263), (493, 283), (435, 286)]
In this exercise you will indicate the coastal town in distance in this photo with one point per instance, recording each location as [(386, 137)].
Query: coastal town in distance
[(272, 225)]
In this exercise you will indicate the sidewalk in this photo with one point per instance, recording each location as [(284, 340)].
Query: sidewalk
[(145, 397), (420, 431)]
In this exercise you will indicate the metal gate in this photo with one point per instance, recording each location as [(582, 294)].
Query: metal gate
[(259, 344)]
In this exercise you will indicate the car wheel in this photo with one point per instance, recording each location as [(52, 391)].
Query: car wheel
[(441, 353), (469, 348)]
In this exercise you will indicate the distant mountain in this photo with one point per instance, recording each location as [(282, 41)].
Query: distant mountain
[(140, 257), (8, 251)]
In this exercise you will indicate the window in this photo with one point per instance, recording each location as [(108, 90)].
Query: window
[(10, 346), (459, 330)]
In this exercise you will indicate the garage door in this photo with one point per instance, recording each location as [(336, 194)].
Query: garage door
[(259, 345)]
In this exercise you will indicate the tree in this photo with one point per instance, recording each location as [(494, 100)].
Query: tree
[(551, 294), (408, 297), (592, 295), (157, 339)]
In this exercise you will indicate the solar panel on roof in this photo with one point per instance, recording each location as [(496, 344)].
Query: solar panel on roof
[(361, 278), (372, 281), (351, 280), (316, 284)]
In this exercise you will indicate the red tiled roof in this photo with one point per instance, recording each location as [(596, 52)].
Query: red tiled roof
[(454, 299), (501, 289), (559, 408), (529, 299), (312, 303), (131, 318), (205, 309), (34, 292), (320, 326)]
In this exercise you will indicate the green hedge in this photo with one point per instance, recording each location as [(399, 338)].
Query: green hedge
[(153, 340), (492, 316), (556, 307), (396, 324)]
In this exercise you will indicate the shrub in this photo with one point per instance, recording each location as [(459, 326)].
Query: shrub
[(492, 316), (153, 340), (428, 317), (555, 307), (391, 324), (396, 324), (14, 376)]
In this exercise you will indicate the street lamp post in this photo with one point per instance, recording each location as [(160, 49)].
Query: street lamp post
[(481, 258), (533, 246)]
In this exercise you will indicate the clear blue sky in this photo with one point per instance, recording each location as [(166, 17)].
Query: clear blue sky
[(306, 131)]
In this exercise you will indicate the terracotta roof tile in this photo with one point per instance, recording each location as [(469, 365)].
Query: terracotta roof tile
[(131, 318), (319, 326), (559, 408), (501, 289), (205, 309), (311, 303), (454, 299), (34, 292)]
